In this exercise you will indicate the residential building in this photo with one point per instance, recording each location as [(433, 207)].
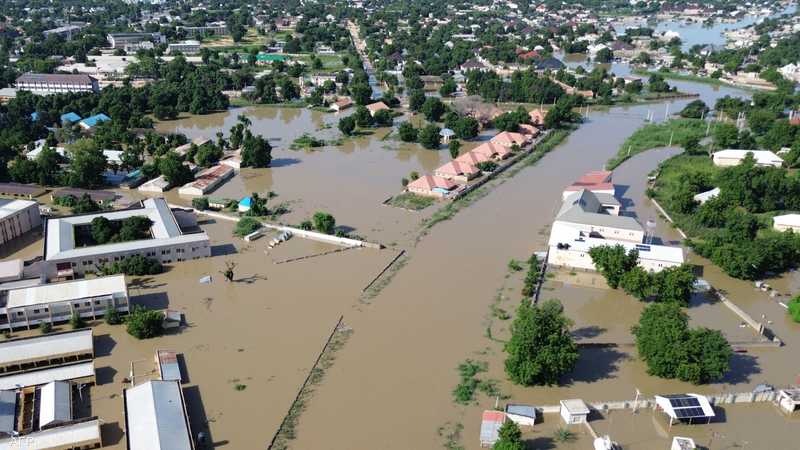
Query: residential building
[(156, 418), (431, 186), (70, 117), (537, 117), (7, 94), (58, 302), (734, 157), (104, 198), (524, 415), (590, 217), (493, 150), (48, 83), (474, 157), (377, 106), (208, 180), (509, 139), (190, 47), (457, 172), (157, 185), (341, 104), (63, 258), (787, 222), (17, 217)]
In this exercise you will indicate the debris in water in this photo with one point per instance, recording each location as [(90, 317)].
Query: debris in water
[(205, 280)]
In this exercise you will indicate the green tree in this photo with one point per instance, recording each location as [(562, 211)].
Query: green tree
[(144, 323), (454, 146), (200, 203), (246, 225), (48, 162), (694, 110), (466, 128), (324, 222), (347, 125), (258, 205), (637, 282), (433, 108), (362, 117), (675, 284), (725, 136), (613, 262), (448, 88), (708, 356), (103, 230), (407, 132), (256, 151), (416, 99), (361, 93), (384, 118), (87, 164), (207, 155), (175, 172), (510, 437), (429, 136), (541, 348), (85, 205)]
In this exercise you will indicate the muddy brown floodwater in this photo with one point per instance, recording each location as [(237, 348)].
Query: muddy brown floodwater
[(390, 386)]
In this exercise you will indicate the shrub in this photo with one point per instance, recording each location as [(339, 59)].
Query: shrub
[(136, 265), (76, 321), (200, 204), (46, 327), (246, 225), (794, 309), (112, 316), (144, 324)]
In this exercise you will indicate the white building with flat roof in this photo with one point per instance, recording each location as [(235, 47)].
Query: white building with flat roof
[(80, 434), (155, 417), (168, 242), (19, 355), (787, 222), (190, 47), (57, 302), (734, 157), (17, 217), (55, 404), (80, 373)]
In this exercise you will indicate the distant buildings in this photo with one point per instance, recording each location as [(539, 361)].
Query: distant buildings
[(67, 31), (212, 28), (46, 83), (373, 108), (64, 258), (17, 217), (156, 418), (589, 217), (733, 157), (91, 122)]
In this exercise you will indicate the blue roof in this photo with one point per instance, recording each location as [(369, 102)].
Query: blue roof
[(34, 116), (94, 120), (245, 201), (521, 410), (70, 117)]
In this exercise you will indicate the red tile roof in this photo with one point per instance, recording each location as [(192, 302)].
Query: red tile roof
[(494, 416), (473, 158), (429, 182), (456, 168)]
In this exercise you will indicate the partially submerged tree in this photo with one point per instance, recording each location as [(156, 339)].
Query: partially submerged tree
[(541, 348)]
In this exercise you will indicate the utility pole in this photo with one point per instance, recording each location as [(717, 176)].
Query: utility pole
[(666, 112), (708, 129), (636, 401), (670, 138)]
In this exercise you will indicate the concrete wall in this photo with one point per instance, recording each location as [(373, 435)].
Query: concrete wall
[(20, 222)]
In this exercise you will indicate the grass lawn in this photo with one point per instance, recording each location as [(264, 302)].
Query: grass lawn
[(409, 200), (656, 135)]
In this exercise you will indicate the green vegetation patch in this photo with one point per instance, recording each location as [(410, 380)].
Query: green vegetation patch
[(681, 132), (412, 201)]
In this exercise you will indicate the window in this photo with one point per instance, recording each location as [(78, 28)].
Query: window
[(36, 311), (88, 304), (77, 305), (97, 302)]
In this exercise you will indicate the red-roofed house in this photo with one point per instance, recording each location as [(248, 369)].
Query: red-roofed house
[(473, 158), (375, 107), (528, 130), (457, 171), (341, 103), (596, 181), (493, 150), (529, 55), (537, 116), (431, 186), (510, 138)]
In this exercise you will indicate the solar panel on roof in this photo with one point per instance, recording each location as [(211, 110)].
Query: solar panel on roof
[(688, 413), (643, 248), (683, 402)]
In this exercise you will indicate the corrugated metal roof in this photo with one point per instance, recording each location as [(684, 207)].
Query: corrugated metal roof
[(75, 435), (55, 403), (71, 290), (46, 346), (521, 410), (168, 366), (55, 78), (8, 406), (40, 377), (156, 417)]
